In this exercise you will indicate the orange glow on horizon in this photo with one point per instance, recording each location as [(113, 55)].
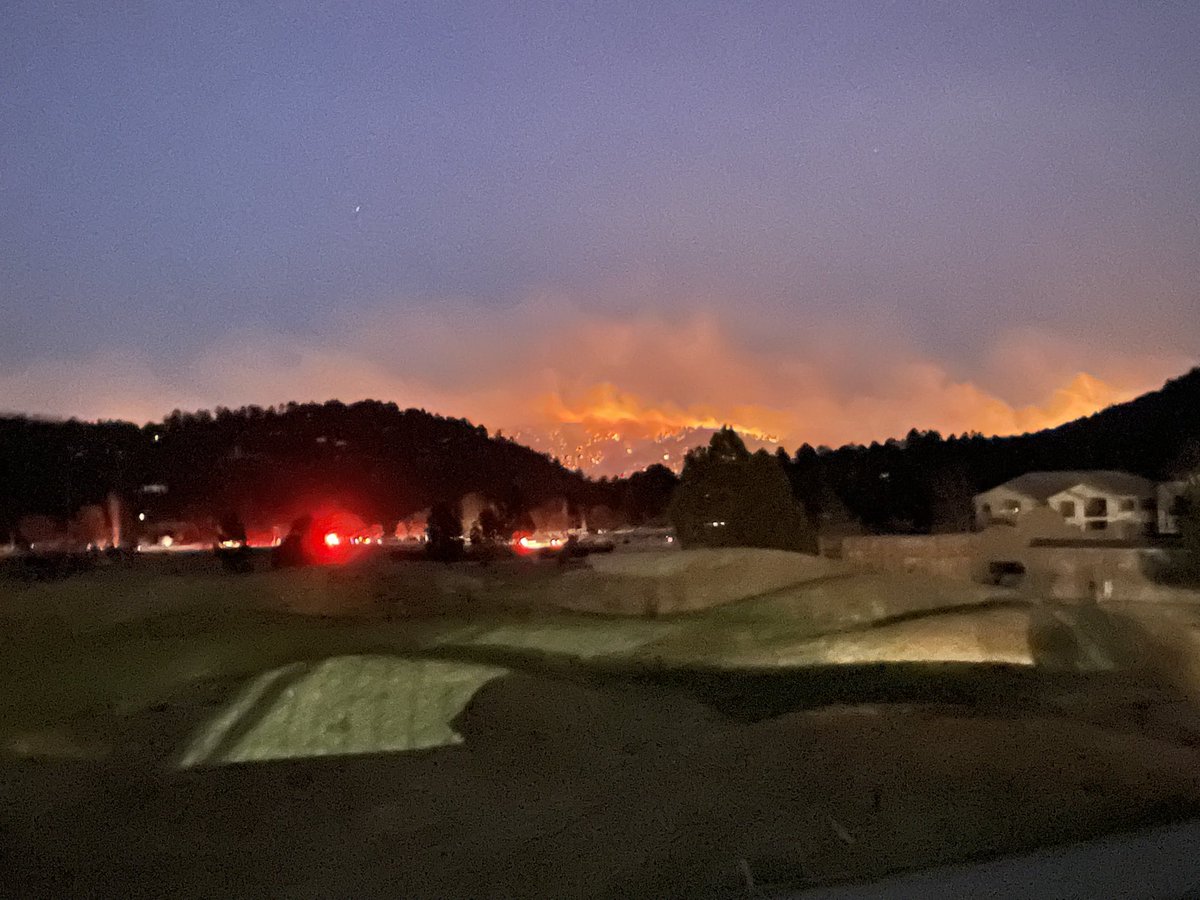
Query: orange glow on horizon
[(614, 393), (604, 407)]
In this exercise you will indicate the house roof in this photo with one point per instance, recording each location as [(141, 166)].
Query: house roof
[(1043, 485)]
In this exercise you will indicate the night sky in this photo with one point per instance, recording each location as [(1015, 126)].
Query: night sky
[(825, 221)]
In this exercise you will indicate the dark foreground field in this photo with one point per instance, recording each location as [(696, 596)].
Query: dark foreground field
[(164, 746)]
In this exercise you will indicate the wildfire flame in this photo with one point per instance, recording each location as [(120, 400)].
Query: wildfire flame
[(604, 407), (606, 428)]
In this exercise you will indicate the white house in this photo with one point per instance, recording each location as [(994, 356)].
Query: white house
[(1116, 503)]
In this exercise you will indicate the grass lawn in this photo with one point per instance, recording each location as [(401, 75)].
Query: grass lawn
[(840, 729), (113, 643), (100, 648)]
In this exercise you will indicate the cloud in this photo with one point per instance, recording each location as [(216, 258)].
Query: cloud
[(549, 362)]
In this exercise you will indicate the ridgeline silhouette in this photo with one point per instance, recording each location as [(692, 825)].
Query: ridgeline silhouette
[(925, 482), (384, 463)]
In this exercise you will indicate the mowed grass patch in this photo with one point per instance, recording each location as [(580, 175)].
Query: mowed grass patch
[(101, 647), (782, 621), (108, 644)]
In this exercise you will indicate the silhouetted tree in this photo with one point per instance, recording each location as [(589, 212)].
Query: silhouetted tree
[(951, 502), (231, 528), (521, 523), (831, 516), (728, 497), (444, 532), (293, 550), (233, 551), (491, 526), (648, 493), (1185, 463)]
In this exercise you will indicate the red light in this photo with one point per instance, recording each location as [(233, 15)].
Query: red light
[(332, 540)]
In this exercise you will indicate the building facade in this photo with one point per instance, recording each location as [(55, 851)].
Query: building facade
[(1100, 503)]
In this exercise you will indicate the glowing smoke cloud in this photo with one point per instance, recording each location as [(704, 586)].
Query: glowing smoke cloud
[(608, 392)]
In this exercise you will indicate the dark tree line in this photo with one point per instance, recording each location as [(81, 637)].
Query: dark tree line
[(384, 463), (926, 482), (271, 465), (55, 468)]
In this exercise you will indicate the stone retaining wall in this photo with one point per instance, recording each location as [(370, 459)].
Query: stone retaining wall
[(946, 555), (1062, 573), (666, 582)]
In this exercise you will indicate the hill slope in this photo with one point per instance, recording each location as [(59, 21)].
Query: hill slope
[(383, 463), (925, 482), (1156, 434), (371, 458)]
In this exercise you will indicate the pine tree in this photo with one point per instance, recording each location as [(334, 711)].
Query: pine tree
[(728, 497)]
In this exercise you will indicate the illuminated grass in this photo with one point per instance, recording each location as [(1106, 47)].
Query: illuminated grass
[(80, 655)]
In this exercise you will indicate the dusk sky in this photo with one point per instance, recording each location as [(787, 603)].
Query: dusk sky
[(823, 221)]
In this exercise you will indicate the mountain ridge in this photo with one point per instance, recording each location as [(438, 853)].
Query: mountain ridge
[(390, 462)]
